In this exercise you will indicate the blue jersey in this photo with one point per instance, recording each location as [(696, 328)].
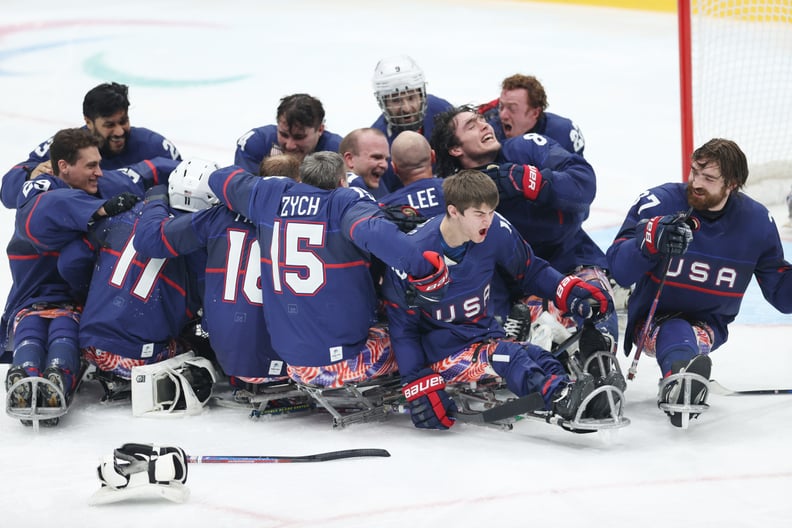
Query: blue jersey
[(554, 228), (262, 142), (559, 128), (434, 105), (233, 314), (422, 336), (135, 305), (708, 282), (424, 195), (318, 294), (353, 180), (50, 214), (142, 144)]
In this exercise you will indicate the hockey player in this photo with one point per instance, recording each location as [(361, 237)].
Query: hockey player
[(281, 165), (136, 307), (545, 192), (522, 109), (400, 89), (412, 159), (457, 339), (706, 269), (41, 316), (366, 153), (106, 113), (299, 130), (233, 313), (316, 238)]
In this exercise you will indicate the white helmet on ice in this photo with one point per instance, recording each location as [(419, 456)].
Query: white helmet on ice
[(400, 88), (188, 185)]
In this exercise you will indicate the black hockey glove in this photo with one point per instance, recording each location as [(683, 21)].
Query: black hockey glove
[(516, 180), (430, 405), (664, 235), (120, 203), (404, 216)]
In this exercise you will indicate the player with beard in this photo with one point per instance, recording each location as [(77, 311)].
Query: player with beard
[(106, 113), (706, 239)]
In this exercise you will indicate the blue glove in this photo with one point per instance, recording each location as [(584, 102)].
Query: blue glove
[(430, 405), (664, 235), (516, 180), (582, 299), (431, 288)]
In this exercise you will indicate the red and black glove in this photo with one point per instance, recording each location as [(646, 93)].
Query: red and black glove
[(664, 235), (431, 288), (430, 405), (581, 299), (516, 180)]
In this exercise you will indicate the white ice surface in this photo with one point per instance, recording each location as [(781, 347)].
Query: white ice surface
[(614, 71)]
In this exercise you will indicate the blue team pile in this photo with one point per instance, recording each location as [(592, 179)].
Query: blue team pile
[(433, 264)]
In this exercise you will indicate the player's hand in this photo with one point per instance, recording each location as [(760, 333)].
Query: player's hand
[(582, 299), (404, 216), (120, 203), (664, 235), (430, 405), (45, 167), (431, 288), (516, 180)]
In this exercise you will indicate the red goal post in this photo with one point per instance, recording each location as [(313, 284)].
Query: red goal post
[(735, 60)]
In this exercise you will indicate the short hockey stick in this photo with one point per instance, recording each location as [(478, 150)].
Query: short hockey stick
[(264, 459), (717, 388), (633, 370)]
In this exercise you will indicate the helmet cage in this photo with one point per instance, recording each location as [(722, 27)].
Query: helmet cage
[(396, 81)]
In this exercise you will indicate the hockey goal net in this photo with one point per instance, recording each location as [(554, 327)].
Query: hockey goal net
[(736, 73)]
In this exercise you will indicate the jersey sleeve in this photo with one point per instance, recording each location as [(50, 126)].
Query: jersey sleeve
[(573, 184), (75, 265), (148, 173), (15, 178), (773, 273), (250, 150), (161, 236), (626, 262), (515, 256), (364, 225), (52, 219)]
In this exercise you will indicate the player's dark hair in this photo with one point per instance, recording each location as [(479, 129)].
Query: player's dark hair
[(302, 110), (67, 143), (444, 138), (470, 188), (729, 158), (322, 169), (105, 100), (537, 98)]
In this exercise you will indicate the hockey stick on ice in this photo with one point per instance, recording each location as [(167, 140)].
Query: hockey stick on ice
[(633, 370), (717, 388), (264, 459)]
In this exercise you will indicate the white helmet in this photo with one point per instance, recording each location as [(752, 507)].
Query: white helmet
[(396, 79), (188, 185)]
